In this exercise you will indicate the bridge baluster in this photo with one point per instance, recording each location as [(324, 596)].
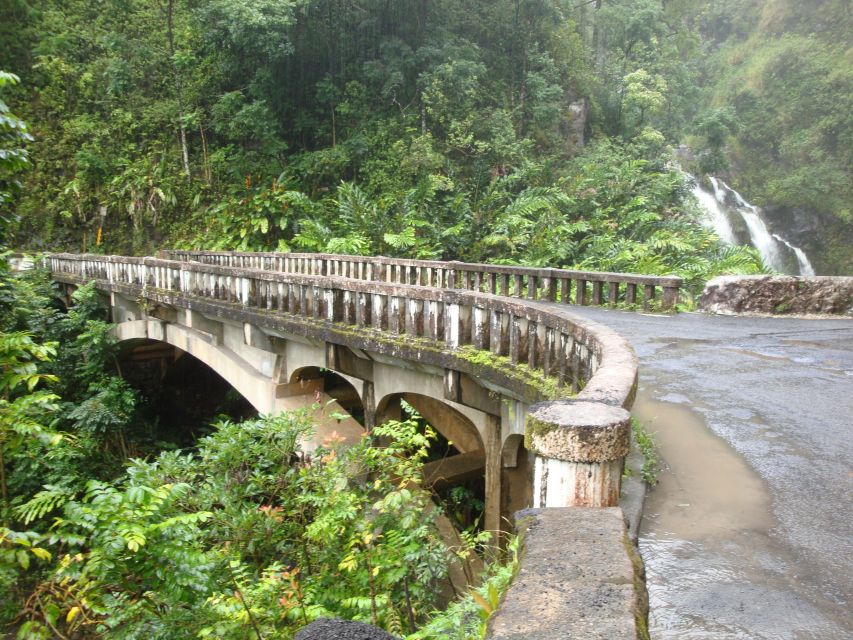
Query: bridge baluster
[(292, 297), (414, 317), (597, 287), (333, 300), (313, 301), (480, 328), (648, 295), (532, 282), (548, 290), (518, 340), (379, 317), (432, 320), (670, 297), (491, 283), (362, 309), (396, 319), (536, 340), (348, 307), (612, 293), (504, 284), (580, 293), (498, 333)]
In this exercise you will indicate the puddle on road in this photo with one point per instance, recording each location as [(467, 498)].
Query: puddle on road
[(714, 571), (707, 489)]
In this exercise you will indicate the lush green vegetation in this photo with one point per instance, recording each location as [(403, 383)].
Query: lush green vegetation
[(107, 531), (432, 129), (778, 91)]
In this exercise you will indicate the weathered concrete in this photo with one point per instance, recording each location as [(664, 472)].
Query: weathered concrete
[(576, 580), (778, 295), (580, 449)]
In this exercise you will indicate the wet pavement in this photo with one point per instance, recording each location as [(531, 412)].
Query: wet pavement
[(749, 533)]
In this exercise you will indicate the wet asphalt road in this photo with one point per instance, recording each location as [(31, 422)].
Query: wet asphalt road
[(779, 393)]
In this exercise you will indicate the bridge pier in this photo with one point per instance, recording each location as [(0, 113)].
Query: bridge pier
[(580, 451), (492, 520)]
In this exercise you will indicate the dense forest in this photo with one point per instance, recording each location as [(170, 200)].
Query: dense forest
[(516, 131), (534, 131)]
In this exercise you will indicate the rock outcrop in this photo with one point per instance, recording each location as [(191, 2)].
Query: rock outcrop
[(780, 295)]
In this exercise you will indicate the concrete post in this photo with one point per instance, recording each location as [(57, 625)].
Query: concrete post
[(580, 449), (494, 459)]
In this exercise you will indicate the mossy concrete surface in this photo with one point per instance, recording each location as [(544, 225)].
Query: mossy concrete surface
[(578, 431), (578, 579)]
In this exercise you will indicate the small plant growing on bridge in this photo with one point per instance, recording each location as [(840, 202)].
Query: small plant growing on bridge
[(651, 463)]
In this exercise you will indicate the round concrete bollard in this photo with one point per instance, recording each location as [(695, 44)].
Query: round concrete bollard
[(336, 629), (580, 450)]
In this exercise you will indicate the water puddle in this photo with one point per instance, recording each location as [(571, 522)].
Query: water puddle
[(715, 570), (707, 489)]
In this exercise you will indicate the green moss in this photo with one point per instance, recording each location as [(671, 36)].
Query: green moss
[(548, 388), (641, 595), (535, 427)]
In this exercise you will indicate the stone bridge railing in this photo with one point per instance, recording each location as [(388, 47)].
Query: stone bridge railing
[(563, 285), (581, 375)]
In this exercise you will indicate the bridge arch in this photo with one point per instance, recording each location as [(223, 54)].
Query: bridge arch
[(456, 459), (451, 423), (257, 389), (339, 387)]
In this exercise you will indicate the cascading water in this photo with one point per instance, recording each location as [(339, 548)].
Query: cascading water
[(806, 268), (725, 203), (717, 219)]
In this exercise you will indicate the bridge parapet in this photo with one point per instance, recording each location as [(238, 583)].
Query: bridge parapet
[(532, 283), (576, 356)]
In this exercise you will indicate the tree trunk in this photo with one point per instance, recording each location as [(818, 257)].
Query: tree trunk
[(182, 129)]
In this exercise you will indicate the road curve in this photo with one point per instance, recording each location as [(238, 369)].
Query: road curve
[(752, 538)]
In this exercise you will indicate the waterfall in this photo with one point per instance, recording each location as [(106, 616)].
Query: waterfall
[(717, 219), (806, 268), (724, 203)]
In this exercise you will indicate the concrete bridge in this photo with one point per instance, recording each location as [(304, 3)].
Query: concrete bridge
[(533, 397)]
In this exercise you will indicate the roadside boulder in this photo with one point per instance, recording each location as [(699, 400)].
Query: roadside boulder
[(337, 629), (778, 295)]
